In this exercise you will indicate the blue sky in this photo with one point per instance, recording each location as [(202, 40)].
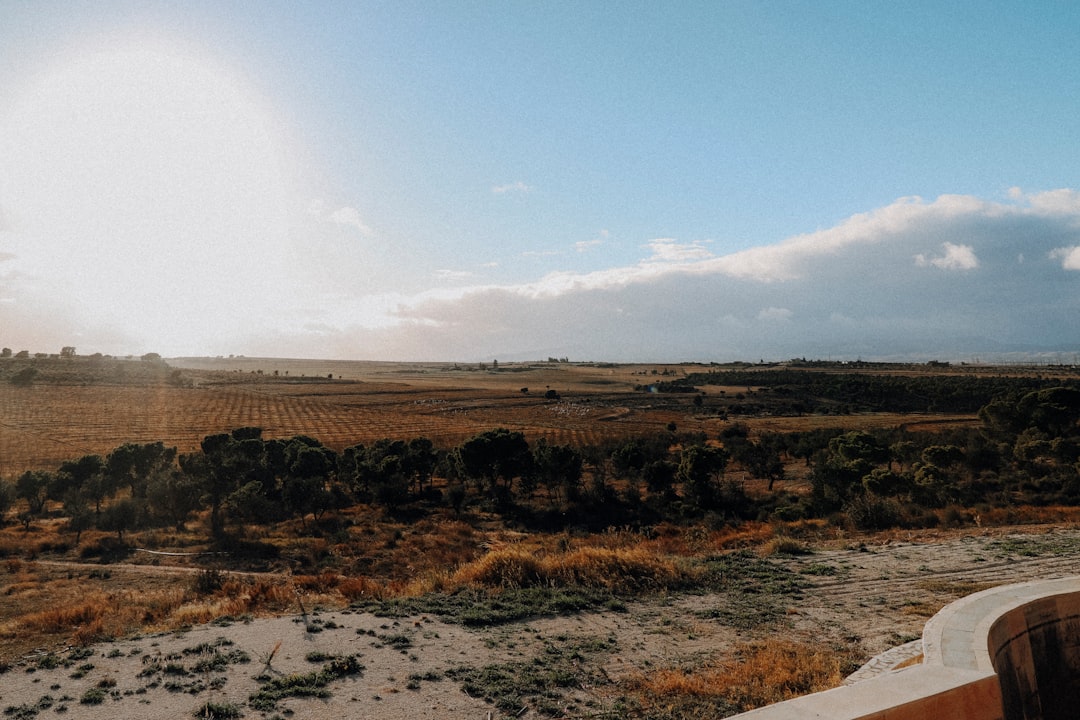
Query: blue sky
[(608, 181)]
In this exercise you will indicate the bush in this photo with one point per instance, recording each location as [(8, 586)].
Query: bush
[(873, 512), (218, 711), (93, 696), (208, 581)]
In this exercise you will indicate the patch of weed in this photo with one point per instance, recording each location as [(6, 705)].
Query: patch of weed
[(398, 641), (539, 683), (416, 678), (752, 589), (93, 696), (28, 712), (311, 684), (218, 711), (219, 661), (49, 662), (820, 569), (81, 671), (480, 608)]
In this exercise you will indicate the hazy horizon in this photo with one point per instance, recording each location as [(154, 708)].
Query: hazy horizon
[(468, 182)]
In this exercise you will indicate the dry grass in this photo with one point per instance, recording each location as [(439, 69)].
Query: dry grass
[(756, 674), (616, 570), (784, 545)]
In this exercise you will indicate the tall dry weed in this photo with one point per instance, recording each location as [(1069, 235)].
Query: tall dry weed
[(503, 568), (625, 569), (617, 570), (760, 673)]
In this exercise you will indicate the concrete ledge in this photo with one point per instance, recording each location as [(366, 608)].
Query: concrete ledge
[(1008, 653), (917, 692)]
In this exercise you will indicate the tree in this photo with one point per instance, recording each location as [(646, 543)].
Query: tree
[(762, 460), (97, 489), (421, 460), (840, 468), (24, 377), (212, 472), (659, 477), (78, 474), (309, 468), (121, 517), (132, 464), (455, 495), (5, 353), (172, 496), (68, 351), (33, 487), (630, 458), (1055, 411), (495, 455), (80, 517), (557, 467), (7, 497), (699, 469)]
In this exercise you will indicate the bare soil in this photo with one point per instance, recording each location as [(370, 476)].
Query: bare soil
[(871, 593)]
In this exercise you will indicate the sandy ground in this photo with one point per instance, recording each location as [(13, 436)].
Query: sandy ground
[(873, 595)]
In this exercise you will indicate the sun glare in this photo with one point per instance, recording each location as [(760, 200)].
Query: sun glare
[(153, 183)]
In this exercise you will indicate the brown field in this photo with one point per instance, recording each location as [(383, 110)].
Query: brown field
[(46, 424)]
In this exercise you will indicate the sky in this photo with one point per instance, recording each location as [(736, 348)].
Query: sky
[(607, 181)]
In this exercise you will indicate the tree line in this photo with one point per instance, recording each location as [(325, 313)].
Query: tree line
[(1026, 451), (808, 391)]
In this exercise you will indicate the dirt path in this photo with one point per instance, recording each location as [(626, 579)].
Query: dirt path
[(883, 594), (870, 594)]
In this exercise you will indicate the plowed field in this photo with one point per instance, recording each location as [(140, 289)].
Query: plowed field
[(343, 403)]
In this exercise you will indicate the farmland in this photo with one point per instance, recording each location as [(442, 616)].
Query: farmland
[(95, 410)]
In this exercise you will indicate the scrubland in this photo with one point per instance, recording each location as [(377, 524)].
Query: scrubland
[(696, 591)]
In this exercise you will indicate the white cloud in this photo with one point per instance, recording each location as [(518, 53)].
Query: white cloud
[(845, 291), (1069, 256), (956, 257), (850, 290), (517, 187), (585, 245), (344, 216), (350, 217), (446, 274), (1064, 201), (774, 314), (667, 250)]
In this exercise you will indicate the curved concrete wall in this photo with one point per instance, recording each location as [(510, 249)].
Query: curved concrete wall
[(1009, 653)]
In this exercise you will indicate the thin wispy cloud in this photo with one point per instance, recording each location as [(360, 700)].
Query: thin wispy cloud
[(457, 275), (667, 250), (585, 245), (514, 187), (774, 314), (350, 217)]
